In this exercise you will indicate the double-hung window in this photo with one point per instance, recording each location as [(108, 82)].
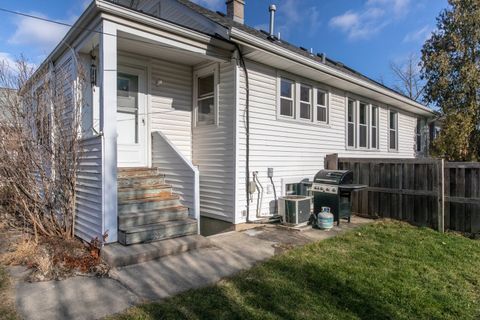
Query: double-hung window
[(305, 102), (363, 125), (374, 128), (351, 123), (322, 109), (393, 130), (286, 98), (206, 100), (418, 134)]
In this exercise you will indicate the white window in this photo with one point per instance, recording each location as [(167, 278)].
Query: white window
[(363, 125), (393, 130), (351, 123), (322, 108), (418, 135), (374, 128), (205, 97), (286, 98), (305, 102)]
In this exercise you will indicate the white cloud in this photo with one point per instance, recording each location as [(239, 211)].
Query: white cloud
[(212, 4), (419, 35), (346, 21), (371, 19), (38, 33), (7, 59), (10, 62)]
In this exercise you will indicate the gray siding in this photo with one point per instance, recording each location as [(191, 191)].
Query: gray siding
[(89, 223), (214, 152), (294, 149)]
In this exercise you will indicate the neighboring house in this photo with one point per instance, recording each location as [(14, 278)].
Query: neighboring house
[(171, 93)]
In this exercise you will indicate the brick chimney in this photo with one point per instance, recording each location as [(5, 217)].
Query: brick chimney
[(236, 10)]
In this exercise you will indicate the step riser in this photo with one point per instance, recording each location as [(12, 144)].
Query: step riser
[(140, 220), (131, 194), (120, 256), (140, 182), (147, 206), (138, 173), (157, 234)]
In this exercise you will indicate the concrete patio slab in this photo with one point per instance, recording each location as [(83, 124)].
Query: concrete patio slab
[(75, 298), (93, 298)]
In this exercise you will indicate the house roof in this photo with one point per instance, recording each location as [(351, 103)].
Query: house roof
[(221, 19)]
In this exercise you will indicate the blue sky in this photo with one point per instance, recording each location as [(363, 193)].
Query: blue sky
[(364, 34)]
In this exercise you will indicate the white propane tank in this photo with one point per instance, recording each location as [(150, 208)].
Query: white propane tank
[(325, 219)]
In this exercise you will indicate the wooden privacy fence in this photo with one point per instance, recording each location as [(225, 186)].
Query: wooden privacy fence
[(426, 192)]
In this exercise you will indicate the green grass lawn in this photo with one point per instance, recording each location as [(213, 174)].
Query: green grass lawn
[(380, 271)]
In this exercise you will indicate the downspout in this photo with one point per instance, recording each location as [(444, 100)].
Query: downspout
[(247, 129)]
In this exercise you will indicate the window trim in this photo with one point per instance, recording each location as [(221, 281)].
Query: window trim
[(355, 102), (201, 73), (377, 126), (419, 135), (390, 112), (299, 86), (280, 97), (314, 86), (326, 106), (367, 124)]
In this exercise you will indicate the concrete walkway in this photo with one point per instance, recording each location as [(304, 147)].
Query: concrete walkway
[(93, 298)]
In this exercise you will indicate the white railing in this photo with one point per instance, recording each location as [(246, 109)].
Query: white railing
[(179, 172)]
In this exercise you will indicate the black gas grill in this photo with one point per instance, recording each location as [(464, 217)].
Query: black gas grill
[(333, 189)]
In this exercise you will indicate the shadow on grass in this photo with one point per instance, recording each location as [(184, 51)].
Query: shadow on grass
[(315, 294)]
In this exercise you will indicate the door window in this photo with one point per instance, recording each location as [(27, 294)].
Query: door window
[(127, 111)]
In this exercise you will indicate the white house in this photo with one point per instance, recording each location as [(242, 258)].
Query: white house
[(206, 101)]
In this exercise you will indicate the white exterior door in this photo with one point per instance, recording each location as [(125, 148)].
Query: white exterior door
[(131, 117)]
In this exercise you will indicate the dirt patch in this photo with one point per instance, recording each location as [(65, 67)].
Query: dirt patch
[(283, 238), (54, 258)]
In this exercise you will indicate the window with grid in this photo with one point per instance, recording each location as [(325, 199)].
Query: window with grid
[(362, 125), (206, 100), (322, 109), (374, 128), (351, 123), (286, 98), (305, 102), (393, 130)]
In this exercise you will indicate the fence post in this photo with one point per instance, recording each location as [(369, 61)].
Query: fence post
[(331, 161), (441, 195)]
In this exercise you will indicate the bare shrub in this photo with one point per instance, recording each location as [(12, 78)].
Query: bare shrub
[(39, 144)]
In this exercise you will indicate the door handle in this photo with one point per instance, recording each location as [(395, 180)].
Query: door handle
[(143, 121)]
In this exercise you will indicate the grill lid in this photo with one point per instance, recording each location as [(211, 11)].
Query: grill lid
[(336, 177)]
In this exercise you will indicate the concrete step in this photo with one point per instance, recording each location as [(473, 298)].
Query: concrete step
[(157, 231), (148, 204), (140, 182), (131, 193), (117, 255), (137, 172), (150, 217)]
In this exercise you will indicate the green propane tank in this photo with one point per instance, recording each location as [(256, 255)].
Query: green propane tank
[(325, 219)]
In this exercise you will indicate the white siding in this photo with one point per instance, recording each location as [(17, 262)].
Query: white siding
[(214, 151), (171, 103), (89, 203), (294, 149), (179, 171)]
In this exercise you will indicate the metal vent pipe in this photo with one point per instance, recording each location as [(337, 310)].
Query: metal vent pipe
[(272, 10)]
